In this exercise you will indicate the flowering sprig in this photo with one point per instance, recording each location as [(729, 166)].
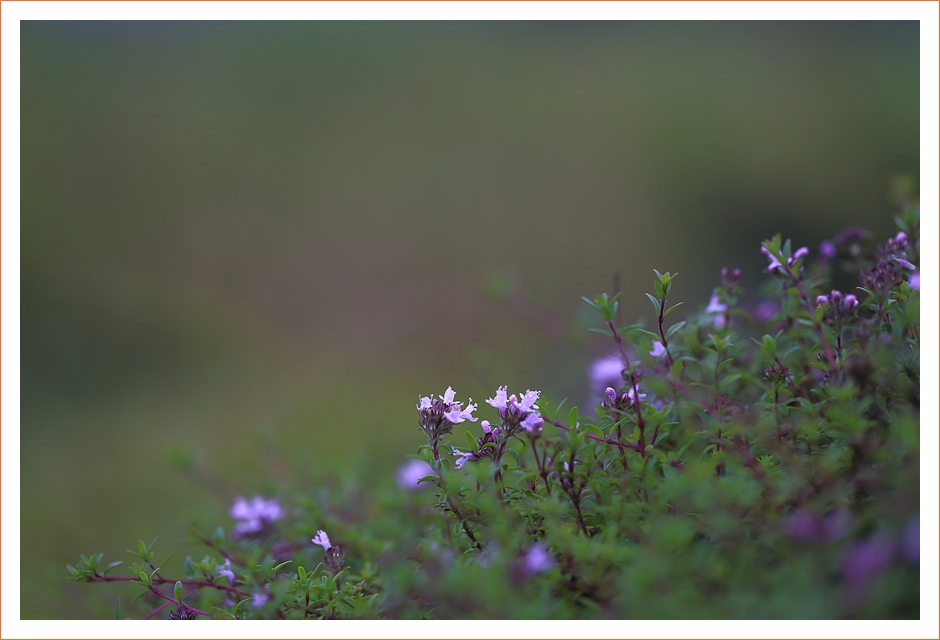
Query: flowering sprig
[(741, 458)]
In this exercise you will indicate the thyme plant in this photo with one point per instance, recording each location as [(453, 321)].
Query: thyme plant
[(751, 461)]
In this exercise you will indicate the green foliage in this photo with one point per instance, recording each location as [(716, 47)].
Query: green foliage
[(742, 467)]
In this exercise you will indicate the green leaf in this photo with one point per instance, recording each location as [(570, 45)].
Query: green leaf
[(274, 570), (593, 304), (302, 574), (573, 418), (655, 303), (671, 309), (178, 591), (590, 428), (144, 578), (674, 328)]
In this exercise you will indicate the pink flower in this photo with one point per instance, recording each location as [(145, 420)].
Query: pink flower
[(437, 416), (462, 457), (322, 539), (500, 400), (532, 422), (657, 351), (455, 415), (528, 400)]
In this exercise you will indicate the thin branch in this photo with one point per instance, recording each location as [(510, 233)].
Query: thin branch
[(623, 445), (160, 580)]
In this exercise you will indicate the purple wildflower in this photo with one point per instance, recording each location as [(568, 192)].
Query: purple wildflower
[(607, 371), (827, 250), (322, 539), (657, 351), (715, 305), (515, 412), (254, 515), (914, 281), (532, 422), (438, 416), (462, 457), (799, 254), (764, 311), (412, 471), (774, 263), (226, 571), (537, 559), (258, 599), (864, 560)]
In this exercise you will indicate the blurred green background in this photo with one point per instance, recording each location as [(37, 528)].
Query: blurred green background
[(251, 245)]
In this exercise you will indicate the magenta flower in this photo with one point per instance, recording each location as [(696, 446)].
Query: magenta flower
[(322, 539)]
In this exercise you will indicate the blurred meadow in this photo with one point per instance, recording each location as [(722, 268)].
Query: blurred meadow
[(247, 247)]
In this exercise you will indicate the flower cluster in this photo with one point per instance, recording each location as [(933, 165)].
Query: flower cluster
[(255, 515), (620, 401), (837, 308), (437, 416), (517, 412), (887, 272), (333, 553)]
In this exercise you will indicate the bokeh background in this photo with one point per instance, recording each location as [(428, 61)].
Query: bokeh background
[(248, 246)]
